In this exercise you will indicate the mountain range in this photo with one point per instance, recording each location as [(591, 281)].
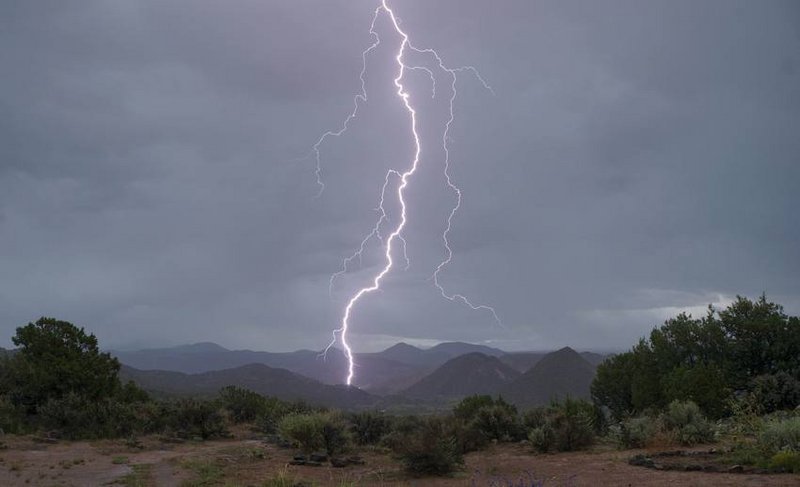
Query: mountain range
[(259, 378), (444, 373)]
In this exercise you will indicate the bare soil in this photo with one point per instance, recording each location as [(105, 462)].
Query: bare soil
[(246, 461)]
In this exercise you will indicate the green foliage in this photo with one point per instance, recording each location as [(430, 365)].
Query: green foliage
[(498, 422), (774, 392), (303, 429), (781, 435), (543, 437), (687, 423), (402, 427), (316, 431), (131, 393), (274, 410), (479, 419), (206, 472), (430, 449), (761, 338), (613, 384), (194, 418), (242, 404), (776, 446), (469, 406), (12, 417), (335, 434), (563, 426), (702, 384), (369, 427), (785, 461), (706, 360), (74, 416), (635, 432), (56, 358)]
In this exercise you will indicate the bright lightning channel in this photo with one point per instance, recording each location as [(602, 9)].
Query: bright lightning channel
[(403, 178)]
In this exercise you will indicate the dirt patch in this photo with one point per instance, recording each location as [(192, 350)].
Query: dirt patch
[(691, 461), (249, 462)]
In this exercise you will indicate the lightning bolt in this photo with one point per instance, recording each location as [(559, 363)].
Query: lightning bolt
[(403, 178)]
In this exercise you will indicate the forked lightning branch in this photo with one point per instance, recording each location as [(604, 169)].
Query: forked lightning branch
[(394, 241)]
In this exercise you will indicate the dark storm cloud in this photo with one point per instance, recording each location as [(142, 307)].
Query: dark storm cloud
[(639, 159)]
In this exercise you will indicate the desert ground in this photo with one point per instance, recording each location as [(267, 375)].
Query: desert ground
[(246, 460)]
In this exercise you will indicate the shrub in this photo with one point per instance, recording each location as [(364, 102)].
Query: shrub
[(469, 406), (189, 418), (268, 420), (542, 437), (12, 418), (369, 427), (773, 392), (534, 418), (479, 419), (786, 461), (781, 435), (685, 421), (430, 449), (73, 416), (498, 422), (335, 434), (316, 431), (563, 426), (305, 430), (635, 432), (242, 404), (401, 428)]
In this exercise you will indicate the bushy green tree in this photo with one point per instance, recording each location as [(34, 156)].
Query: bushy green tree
[(705, 360), (56, 358), (761, 339)]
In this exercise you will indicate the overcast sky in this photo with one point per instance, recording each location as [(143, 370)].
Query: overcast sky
[(636, 160)]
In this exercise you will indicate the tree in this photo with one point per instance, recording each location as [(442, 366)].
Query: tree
[(706, 360), (613, 384), (56, 358), (762, 340)]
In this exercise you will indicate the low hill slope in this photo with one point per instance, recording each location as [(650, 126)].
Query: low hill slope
[(522, 361), (455, 349), (411, 355), (557, 375), (259, 378), (371, 369), (473, 373)]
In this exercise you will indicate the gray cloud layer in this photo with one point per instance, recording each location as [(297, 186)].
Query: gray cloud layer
[(640, 158)]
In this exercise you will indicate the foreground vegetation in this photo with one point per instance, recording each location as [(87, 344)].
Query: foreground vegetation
[(731, 377)]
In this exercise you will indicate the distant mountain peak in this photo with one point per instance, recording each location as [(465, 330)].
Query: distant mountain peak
[(557, 375), (200, 347), (402, 346), (470, 373), (454, 349)]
